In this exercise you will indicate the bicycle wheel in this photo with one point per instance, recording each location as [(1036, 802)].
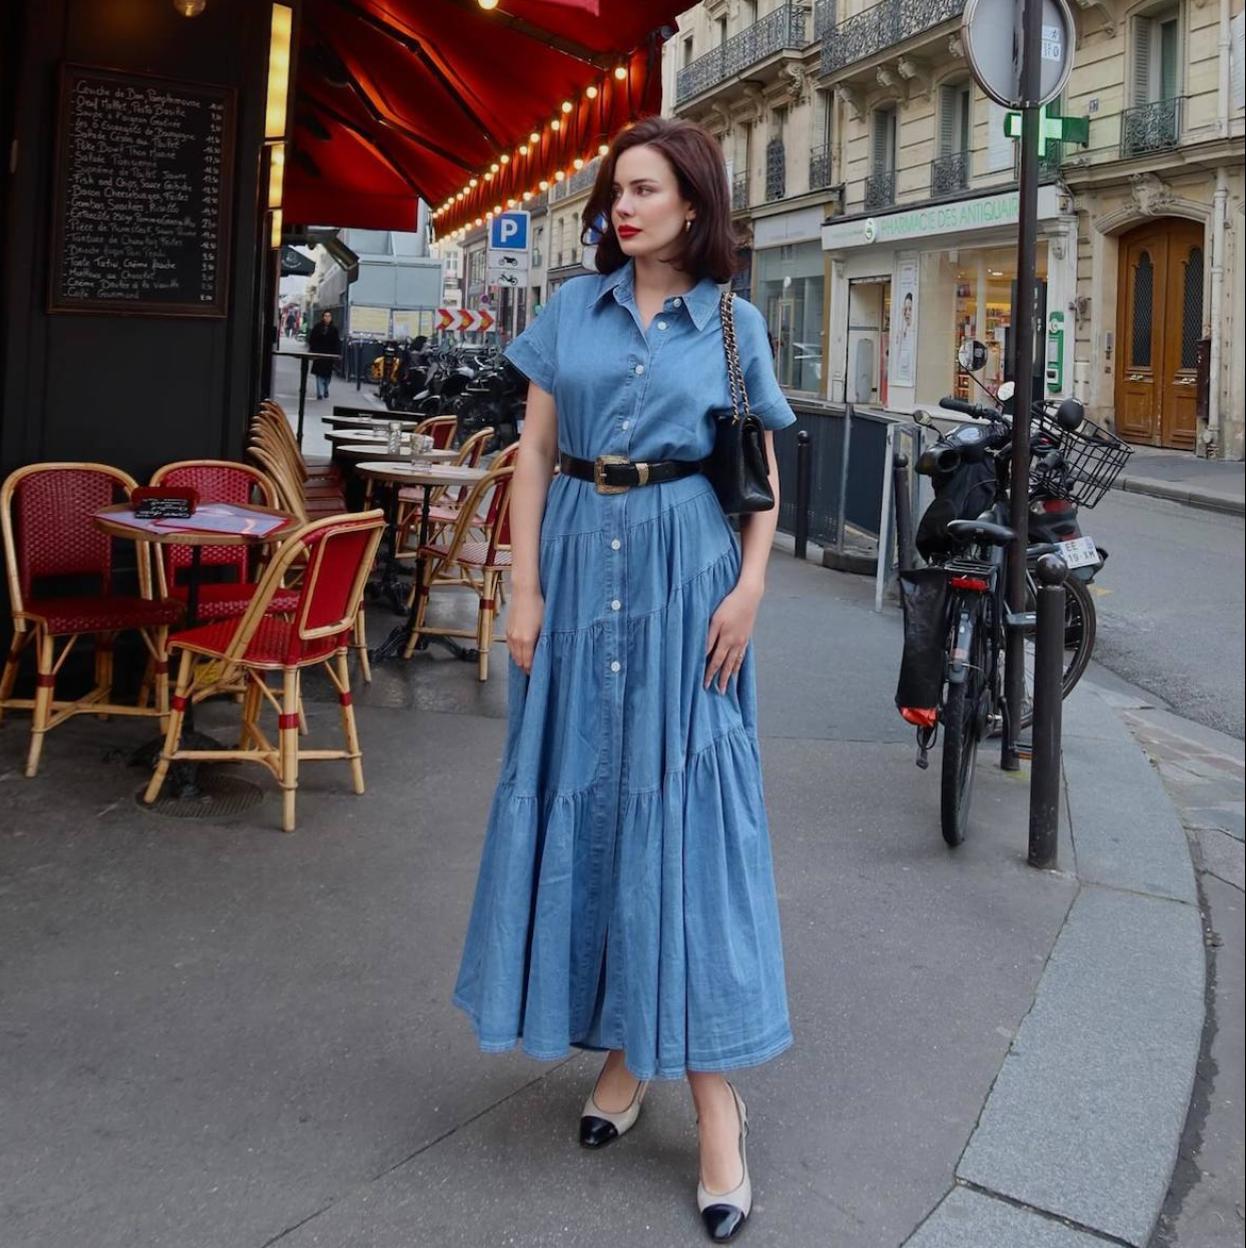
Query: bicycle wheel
[(1080, 625), (962, 730)]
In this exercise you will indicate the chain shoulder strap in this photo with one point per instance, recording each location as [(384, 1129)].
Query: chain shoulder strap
[(735, 374)]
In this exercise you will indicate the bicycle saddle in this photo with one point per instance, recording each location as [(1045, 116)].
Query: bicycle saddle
[(981, 530)]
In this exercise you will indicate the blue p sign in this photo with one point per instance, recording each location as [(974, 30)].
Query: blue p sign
[(509, 232)]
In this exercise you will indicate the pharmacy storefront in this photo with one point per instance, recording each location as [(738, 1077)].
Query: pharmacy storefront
[(909, 286)]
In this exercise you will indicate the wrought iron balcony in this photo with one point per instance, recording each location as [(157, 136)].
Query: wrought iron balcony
[(1151, 127), (823, 17), (819, 168), (949, 174), (883, 26), (739, 192), (776, 170), (781, 29), (581, 179), (880, 190), (1049, 162)]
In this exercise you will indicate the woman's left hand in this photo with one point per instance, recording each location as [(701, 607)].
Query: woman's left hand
[(730, 630)]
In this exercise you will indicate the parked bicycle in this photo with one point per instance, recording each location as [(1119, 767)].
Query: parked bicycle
[(956, 613)]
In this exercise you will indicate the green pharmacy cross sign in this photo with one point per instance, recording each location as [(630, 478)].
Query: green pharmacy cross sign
[(1051, 126)]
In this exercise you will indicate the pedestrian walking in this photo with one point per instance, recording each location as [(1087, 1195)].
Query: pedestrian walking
[(625, 901), (324, 337)]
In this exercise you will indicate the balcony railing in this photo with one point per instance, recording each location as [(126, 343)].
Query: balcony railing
[(739, 192), (883, 26), (782, 28), (949, 174), (1049, 162), (776, 170), (581, 179), (880, 191), (823, 17), (820, 168), (1151, 127)]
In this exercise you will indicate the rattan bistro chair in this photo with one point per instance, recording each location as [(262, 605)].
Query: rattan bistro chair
[(46, 512), (337, 553), (457, 559)]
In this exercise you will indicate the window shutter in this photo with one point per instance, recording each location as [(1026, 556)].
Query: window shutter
[(1140, 70), (878, 162), (947, 119), (999, 145), (964, 118), (1237, 59)]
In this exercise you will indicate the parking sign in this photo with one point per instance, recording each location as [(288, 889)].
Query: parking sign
[(509, 231)]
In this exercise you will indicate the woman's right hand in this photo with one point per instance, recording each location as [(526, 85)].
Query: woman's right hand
[(523, 626)]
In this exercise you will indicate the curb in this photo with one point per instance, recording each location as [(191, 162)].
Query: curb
[(1190, 496), (1076, 1144)]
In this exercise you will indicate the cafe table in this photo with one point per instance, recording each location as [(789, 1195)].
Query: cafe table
[(380, 421), (211, 524), (305, 359), (427, 477)]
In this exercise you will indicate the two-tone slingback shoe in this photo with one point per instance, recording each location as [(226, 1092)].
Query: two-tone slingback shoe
[(724, 1213), (598, 1127)]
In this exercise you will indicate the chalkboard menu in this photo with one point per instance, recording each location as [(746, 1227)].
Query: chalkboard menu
[(143, 178)]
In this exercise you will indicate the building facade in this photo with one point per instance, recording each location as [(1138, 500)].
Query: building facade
[(879, 191)]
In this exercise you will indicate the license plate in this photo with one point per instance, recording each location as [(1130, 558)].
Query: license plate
[(1081, 552)]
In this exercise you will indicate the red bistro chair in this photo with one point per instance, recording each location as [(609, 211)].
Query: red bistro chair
[(455, 559), (218, 481), (46, 513), (337, 553)]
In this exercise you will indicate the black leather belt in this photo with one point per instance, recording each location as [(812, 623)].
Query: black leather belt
[(613, 474)]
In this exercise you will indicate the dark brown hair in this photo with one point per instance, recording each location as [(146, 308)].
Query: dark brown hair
[(710, 244)]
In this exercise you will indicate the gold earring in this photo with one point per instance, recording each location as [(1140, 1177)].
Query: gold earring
[(687, 225)]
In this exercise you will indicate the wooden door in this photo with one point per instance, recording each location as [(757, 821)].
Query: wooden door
[(1159, 324), (1183, 327)]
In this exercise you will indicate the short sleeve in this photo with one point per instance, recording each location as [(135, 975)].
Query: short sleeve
[(535, 351), (766, 400)]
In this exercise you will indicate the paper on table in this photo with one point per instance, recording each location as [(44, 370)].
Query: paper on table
[(224, 518)]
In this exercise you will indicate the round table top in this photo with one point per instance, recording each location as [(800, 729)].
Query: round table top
[(369, 422), (377, 451), (365, 434), (423, 473), (240, 525)]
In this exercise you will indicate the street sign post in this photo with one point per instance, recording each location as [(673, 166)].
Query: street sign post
[(508, 259), (1021, 56)]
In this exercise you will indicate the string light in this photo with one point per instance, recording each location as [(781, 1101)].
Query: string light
[(591, 92), (523, 149), (603, 149), (543, 184), (566, 106), (555, 124), (488, 5), (559, 175), (620, 72), (579, 164), (534, 137)]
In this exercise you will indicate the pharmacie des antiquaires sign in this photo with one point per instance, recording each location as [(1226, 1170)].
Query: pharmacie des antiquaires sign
[(930, 220)]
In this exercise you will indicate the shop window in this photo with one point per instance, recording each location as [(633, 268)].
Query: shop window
[(789, 293)]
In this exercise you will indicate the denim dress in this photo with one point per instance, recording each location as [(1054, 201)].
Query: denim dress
[(626, 896)]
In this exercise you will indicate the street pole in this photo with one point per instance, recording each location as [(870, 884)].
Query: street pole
[(1023, 373)]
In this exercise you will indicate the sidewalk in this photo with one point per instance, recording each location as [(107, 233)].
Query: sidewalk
[(217, 1036), (1213, 484)]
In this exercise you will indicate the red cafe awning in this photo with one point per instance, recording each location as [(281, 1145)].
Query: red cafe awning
[(403, 99)]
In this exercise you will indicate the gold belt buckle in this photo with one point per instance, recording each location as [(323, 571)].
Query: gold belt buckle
[(599, 474)]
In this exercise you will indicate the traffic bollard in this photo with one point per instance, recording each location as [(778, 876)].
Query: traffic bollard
[(1048, 702), (904, 512), (804, 474)]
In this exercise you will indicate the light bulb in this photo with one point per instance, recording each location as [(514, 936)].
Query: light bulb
[(591, 92)]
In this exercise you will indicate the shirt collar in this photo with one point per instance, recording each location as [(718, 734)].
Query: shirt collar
[(701, 300)]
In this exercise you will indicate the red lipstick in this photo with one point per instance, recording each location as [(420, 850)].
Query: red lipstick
[(627, 231)]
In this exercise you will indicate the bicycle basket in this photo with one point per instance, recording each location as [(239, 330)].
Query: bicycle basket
[(1092, 459)]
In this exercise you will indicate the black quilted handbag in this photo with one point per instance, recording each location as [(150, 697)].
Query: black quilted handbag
[(737, 467)]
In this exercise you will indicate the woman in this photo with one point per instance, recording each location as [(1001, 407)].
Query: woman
[(626, 899)]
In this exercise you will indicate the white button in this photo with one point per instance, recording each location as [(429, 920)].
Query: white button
[(616, 544), (615, 666), (661, 324), (679, 303), (615, 605), (640, 368), (627, 424)]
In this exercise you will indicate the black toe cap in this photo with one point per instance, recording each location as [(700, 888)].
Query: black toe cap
[(594, 1132), (722, 1222)]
